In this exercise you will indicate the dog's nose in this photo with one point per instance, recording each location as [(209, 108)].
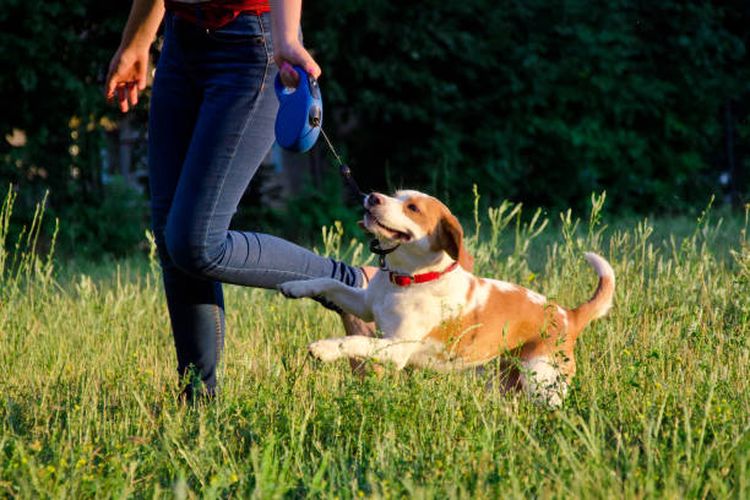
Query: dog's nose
[(374, 199)]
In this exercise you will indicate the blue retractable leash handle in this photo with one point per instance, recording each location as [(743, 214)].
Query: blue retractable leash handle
[(300, 115), (299, 122)]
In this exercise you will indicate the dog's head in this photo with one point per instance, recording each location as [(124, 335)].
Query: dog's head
[(421, 225)]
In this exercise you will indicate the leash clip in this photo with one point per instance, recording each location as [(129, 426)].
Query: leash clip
[(381, 252)]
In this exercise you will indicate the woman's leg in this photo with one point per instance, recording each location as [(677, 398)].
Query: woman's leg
[(196, 306), (232, 135), (202, 159)]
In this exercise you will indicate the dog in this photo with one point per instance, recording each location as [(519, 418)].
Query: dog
[(433, 312)]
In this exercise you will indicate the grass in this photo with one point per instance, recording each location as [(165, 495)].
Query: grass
[(659, 407)]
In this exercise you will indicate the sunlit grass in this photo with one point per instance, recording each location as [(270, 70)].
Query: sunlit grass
[(659, 406)]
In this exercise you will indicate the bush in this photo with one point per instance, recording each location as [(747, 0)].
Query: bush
[(55, 120), (113, 226), (538, 101)]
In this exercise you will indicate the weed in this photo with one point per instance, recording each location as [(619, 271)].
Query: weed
[(658, 407)]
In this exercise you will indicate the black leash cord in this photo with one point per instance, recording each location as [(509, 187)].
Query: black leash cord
[(346, 174), (344, 170)]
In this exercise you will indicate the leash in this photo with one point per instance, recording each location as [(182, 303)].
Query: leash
[(344, 170), (381, 252), (299, 121), (355, 191)]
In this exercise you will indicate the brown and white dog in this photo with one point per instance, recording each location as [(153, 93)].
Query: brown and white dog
[(433, 312)]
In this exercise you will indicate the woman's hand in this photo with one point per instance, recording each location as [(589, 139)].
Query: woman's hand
[(127, 70), (287, 49), (292, 53), (127, 76)]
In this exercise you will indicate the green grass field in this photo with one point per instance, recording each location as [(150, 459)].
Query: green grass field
[(659, 407)]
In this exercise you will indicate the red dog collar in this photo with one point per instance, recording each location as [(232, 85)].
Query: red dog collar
[(407, 279)]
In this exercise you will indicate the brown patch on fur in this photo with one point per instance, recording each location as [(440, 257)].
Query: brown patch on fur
[(470, 291), (445, 230), (508, 322), (449, 236)]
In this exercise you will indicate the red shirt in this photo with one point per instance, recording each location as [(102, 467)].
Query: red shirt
[(216, 13)]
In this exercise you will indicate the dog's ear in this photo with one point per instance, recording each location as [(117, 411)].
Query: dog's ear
[(450, 238)]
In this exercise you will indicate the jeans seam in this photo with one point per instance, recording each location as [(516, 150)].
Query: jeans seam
[(250, 116), (280, 271), (219, 338), (269, 54)]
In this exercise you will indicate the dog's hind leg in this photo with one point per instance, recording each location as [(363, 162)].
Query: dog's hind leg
[(544, 381), (357, 327)]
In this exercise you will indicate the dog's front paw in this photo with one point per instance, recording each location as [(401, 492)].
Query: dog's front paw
[(296, 289), (325, 350)]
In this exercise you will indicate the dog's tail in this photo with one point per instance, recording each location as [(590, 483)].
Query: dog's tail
[(601, 302)]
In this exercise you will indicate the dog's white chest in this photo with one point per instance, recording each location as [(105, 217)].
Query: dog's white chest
[(411, 313)]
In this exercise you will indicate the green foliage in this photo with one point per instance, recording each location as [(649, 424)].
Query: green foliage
[(318, 206), (537, 101), (658, 407), (114, 225), (541, 102), (55, 56), (22, 261)]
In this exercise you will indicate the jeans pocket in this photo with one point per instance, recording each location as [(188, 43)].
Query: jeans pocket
[(235, 38), (246, 29)]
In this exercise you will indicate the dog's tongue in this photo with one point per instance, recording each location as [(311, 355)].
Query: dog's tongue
[(395, 234), (390, 233), (402, 236)]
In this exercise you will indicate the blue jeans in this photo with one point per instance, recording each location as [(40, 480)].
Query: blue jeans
[(210, 125)]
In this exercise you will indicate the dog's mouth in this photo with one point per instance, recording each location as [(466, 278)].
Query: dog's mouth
[(375, 226)]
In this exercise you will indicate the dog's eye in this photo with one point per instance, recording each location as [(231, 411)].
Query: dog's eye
[(413, 207)]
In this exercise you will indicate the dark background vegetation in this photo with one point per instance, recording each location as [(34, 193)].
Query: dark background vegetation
[(535, 101)]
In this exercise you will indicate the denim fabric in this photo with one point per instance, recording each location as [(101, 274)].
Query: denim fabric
[(210, 125)]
